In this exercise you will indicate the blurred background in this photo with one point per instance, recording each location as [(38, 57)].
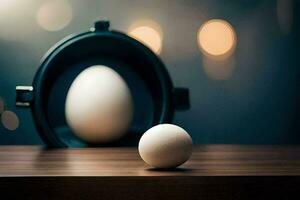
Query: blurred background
[(240, 60)]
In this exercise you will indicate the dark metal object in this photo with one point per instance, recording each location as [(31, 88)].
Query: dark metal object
[(100, 41)]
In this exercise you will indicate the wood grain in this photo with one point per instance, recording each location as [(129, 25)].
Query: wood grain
[(213, 172), (212, 160)]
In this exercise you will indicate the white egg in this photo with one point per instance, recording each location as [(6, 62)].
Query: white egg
[(165, 146), (99, 106)]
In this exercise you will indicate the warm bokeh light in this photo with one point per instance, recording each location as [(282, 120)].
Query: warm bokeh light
[(149, 33), (54, 15), (217, 38), (10, 120)]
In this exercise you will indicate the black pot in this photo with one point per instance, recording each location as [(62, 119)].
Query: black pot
[(154, 96)]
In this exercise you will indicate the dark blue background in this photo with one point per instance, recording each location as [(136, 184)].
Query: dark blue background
[(258, 104)]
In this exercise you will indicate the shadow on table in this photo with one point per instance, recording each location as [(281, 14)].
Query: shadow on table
[(170, 170)]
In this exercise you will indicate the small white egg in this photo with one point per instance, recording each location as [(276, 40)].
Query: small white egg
[(165, 146), (99, 105)]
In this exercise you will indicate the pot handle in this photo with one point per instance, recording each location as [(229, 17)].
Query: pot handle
[(181, 98), (24, 95)]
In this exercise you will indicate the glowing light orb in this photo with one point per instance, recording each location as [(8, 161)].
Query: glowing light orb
[(10, 120), (54, 15), (217, 38), (149, 34)]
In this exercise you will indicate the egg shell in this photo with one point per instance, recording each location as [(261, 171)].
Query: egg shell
[(99, 106), (165, 146)]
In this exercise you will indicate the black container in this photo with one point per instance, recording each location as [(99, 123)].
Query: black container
[(155, 98)]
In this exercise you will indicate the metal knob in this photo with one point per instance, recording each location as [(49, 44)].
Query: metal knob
[(24, 95)]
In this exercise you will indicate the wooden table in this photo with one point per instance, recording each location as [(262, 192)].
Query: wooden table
[(213, 172)]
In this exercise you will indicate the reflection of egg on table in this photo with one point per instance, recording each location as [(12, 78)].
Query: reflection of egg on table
[(99, 106), (165, 146)]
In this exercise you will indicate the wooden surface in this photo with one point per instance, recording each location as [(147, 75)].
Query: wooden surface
[(213, 160), (213, 172)]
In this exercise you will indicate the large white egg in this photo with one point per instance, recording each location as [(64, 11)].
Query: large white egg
[(165, 146), (99, 105)]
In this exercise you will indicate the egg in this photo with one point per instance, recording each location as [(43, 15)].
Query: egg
[(99, 105), (165, 146)]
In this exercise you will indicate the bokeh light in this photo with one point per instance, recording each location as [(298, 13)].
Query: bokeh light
[(2, 105), (217, 39), (10, 120), (149, 33), (54, 15)]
